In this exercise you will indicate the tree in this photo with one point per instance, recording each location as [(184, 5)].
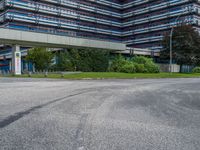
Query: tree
[(97, 60), (63, 62), (40, 57), (74, 57), (89, 60), (186, 45)]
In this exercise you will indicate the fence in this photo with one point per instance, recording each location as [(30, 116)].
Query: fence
[(166, 68)]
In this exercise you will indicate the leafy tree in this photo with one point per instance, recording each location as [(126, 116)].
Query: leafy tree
[(63, 62), (74, 58), (85, 59), (40, 57), (100, 60), (89, 60), (186, 45)]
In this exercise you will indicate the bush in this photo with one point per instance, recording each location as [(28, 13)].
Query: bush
[(138, 64), (117, 64), (196, 70), (152, 68), (129, 67), (141, 60), (149, 65), (139, 68)]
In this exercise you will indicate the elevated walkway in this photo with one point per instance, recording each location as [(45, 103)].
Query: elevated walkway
[(139, 51), (26, 38), (19, 38)]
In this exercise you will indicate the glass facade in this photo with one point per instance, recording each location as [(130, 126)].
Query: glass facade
[(138, 23)]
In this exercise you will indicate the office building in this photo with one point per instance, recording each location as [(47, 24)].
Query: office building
[(137, 23)]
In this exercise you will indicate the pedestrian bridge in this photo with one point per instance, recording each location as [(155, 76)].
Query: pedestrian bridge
[(26, 38)]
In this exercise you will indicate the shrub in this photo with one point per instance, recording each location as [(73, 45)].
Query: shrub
[(117, 64), (152, 68), (138, 64), (141, 60), (139, 68), (129, 67), (149, 65), (196, 70)]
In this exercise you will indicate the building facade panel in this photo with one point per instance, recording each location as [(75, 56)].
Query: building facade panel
[(138, 23), (146, 22), (73, 18)]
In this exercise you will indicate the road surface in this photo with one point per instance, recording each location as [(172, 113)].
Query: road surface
[(150, 114)]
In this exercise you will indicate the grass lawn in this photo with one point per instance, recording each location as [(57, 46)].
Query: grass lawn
[(113, 75)]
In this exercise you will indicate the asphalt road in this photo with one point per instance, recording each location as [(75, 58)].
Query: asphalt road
[(41, 114)]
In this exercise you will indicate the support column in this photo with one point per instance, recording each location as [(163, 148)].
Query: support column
[(16, 60)]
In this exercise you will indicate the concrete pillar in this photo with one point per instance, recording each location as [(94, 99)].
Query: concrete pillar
[(16, 60)]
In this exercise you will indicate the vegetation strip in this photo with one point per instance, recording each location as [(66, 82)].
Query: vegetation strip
[(111, 75)]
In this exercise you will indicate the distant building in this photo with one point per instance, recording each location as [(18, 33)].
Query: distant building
[(139, 24)]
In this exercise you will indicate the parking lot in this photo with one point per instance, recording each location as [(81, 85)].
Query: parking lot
[(149, 114)]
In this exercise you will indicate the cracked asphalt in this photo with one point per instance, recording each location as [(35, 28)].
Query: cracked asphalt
[(150, 114)]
